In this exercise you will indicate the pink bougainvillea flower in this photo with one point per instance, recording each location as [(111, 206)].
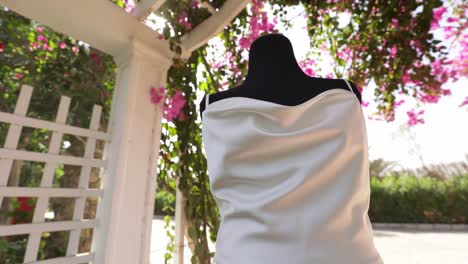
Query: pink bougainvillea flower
[(62, 45), (39, 29), (452, 19), (41, 38), (75, 49), (414, 117), (129, 6), (258, 23), (244, 42), (438, 12), (35, 45), (183, 20), (19, 75), (359, 88), (47, 47), (465, 102), (345, 53), (324, 46), (437, 16), (173, 109), (195, 4), (393, 51), (157, 94), (398, 103), (2, 47), (307, 66)]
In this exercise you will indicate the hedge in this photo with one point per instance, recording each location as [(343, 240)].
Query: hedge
[(409, 199), (399, 199)]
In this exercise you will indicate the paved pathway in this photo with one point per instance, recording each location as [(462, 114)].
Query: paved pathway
[(395, 246)]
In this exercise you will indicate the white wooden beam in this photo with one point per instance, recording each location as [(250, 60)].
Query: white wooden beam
[(77, 259), (13, 134), (18, 119), (211, 26), (209, 7), (46, 157), (146, 7), (99, 23), (48, 192), (19, 229)]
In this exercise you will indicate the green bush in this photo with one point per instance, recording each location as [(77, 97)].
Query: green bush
[(409, 199), (397, 199)]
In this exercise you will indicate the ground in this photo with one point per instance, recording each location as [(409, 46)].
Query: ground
[(395, 246)]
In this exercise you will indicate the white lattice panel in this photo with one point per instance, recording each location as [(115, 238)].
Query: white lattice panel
[(45, 191)]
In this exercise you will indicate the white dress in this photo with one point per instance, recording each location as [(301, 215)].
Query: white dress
[(291, 182)]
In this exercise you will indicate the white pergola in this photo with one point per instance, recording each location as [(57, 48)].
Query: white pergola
[(122, 228)]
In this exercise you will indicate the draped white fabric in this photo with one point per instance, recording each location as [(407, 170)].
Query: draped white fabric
[(291, 182)]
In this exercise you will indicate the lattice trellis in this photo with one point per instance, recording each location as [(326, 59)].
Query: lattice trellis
[(52, 159)]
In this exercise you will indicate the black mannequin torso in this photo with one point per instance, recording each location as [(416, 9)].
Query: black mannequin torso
[(274, 76)]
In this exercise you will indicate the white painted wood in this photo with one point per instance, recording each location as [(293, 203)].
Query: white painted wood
[(66, 129), (46, 157), (209, 7), (126, 209), (78, 259), (19, 229), (48, 192), (78, 211), (211, 26), (179, 226), (145, 7), (102, 24), (47, 178), (13, 135)]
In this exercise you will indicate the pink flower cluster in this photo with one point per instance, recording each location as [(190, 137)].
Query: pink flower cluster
[(173, 108), (75, 49), (183, 20), (42, 42), (2, 47), (157, 94), (465, 102), (129, 6), (306, 66), (460, 63), (437, 16), (195, 4), (258, 23), (414, 118), (345, 53)]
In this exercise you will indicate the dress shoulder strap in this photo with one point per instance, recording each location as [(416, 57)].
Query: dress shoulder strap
[(349, 86), (206, 100)]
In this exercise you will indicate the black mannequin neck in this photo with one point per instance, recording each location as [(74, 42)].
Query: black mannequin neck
[(272, 61)]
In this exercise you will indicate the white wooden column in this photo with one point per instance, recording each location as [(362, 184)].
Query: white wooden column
[(125, 212)]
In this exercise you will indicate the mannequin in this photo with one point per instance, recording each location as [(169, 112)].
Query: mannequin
[(274, 75)]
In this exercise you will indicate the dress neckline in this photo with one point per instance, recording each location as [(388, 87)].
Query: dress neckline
[(310, 101)]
